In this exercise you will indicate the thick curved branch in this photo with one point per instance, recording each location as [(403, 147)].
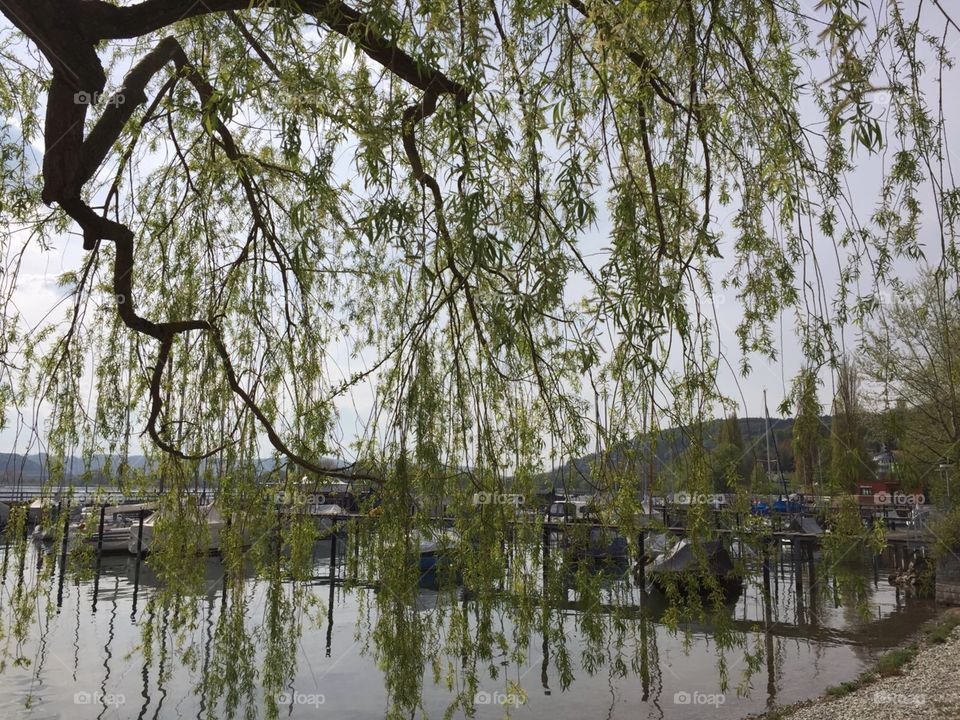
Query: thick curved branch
[(111, 22), (71, 161)]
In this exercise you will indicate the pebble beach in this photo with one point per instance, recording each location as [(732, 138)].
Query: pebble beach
[(928, 686)]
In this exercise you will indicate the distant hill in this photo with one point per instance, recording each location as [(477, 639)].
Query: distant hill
[(574, 474), (33, 469), (673, 442)]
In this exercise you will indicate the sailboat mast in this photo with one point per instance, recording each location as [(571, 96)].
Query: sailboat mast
[(766, 429)]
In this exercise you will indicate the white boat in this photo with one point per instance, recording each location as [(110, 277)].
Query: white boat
[(117, 522), (325, 515), (685, 559), (655, 544), (215, 522), (570, 510), (36, 509)]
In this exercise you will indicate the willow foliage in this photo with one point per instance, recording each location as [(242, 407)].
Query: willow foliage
[(492, 230)]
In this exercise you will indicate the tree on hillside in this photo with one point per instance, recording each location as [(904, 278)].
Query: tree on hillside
[(730, 433), (730, 465), (726, 465), (807, 431), (849, 461)]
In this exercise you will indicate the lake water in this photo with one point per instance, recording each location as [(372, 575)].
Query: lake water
[(84, 658)]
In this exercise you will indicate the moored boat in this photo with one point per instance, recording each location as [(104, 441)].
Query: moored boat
[(601, 544), (683, 566), (117, 523), (436, 551), (141, 542)]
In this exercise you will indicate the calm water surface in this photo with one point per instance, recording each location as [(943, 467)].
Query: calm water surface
[(85, 660)]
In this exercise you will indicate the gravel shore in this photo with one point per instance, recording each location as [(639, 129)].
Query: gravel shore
[(928, 688)]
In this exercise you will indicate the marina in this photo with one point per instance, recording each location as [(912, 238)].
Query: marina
[(91, 645)]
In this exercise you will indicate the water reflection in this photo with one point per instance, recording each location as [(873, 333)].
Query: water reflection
[(782, 620)]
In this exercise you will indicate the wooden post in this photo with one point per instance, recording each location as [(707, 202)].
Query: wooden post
[(641, 561), (63, 554), (766, 570), (796, 558), (545, 554), (140, 535), (333, 554), (136, 572), (96, 574), (332, 580), (103, 512)]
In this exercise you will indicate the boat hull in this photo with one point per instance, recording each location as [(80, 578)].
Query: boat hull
[(683, 568)]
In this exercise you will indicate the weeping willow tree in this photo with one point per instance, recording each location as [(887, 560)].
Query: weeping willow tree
[(497, 229)]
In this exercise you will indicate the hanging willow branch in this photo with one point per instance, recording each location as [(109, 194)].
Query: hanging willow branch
[(71, 160)]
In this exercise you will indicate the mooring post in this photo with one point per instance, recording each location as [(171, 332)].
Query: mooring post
[(136, 572), (140, 535), (545, 553), (103, 512), (766, 570), (641, 560), (797, 553), (63, 554), (332, 576), (333, 554), (96, 574)]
